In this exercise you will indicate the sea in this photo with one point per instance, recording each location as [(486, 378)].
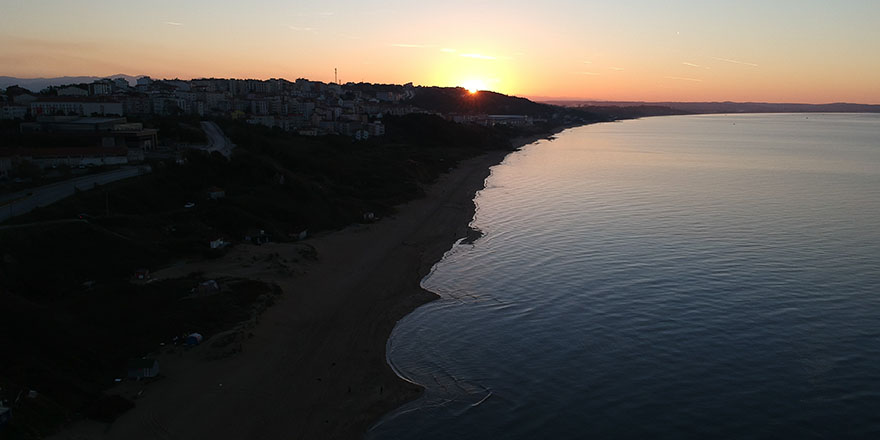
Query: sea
[(712, 276)]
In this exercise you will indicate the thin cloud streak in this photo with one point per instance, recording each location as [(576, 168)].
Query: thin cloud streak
[(172, 23), (411, 46), (681, 78), (728, 60), (478, 56)]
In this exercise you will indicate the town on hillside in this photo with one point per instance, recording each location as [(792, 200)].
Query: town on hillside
[(93, 124), (306, 107)]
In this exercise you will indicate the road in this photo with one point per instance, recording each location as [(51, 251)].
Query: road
[(25, 201), (217, 141)]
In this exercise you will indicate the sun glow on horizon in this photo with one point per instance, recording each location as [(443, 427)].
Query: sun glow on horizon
[(474, 85), (564, 49)]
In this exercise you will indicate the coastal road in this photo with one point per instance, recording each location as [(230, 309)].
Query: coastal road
[(217, 141), (25, 201)]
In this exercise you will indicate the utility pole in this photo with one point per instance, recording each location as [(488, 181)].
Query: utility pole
[(335, 76)]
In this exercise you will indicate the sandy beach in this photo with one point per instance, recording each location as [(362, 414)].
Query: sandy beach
[(314, 366)]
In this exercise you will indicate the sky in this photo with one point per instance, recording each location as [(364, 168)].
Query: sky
[(807, 51)]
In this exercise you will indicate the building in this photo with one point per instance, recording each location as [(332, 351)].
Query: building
[(142, 274), (71, 157), (193, 339), (376, 129), (209, 287), (73, 91), (137, 104), (13, 112), (143, 368), (87, 106), (257, 236), (215, 193), (107, 132), (24, 99), (101, 87), (516, 120), (121, 84)]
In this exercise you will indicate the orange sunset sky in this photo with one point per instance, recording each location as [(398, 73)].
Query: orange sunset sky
[(685, 50)]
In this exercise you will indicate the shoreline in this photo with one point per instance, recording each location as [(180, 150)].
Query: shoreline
[(315, 366)]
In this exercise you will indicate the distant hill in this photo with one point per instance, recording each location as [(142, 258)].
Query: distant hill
[(37, 84), (459, 100), (732, 107)]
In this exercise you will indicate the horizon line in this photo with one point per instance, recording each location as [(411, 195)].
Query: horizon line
[(535, 98)]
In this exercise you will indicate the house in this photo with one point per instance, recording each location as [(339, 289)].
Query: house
[(5, 415), (218, 243), (143, 368), (215, 193), (209, 287), (256, 236), (142, 274), (193, 339)]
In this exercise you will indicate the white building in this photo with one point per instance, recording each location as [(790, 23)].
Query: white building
[(100, 88)]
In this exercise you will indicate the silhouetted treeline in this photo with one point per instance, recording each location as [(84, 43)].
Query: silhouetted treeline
[(459, 100)]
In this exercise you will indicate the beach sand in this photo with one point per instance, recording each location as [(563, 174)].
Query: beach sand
[(315, 365)]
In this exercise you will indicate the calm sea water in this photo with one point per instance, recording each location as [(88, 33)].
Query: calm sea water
[(674, 277)]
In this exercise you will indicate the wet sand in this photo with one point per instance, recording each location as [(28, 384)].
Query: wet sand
[(314, 366)]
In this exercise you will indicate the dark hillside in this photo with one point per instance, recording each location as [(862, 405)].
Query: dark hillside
[(457, 99)]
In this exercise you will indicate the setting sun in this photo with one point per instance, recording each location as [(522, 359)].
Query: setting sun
[(474, 85)]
